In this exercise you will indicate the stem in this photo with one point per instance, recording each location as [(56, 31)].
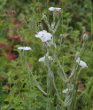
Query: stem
[(30, 72), (36, 82), (63, 75)]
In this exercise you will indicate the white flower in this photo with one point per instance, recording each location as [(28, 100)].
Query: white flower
[(51, 9), (67, 90), (42, 59), (24, 48), (44, 36), (54, 9), (81, 63), (20, 48)]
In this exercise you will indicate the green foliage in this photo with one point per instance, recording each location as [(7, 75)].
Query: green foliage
[(23, 79)]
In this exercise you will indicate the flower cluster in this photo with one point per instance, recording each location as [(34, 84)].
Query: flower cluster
[(81, 63), (42, 59), (54, 9), (44, 36), (24, 48)]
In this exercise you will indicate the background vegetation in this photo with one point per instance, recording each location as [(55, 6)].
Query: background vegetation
[(20, 20)]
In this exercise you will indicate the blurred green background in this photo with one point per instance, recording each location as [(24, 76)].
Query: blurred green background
[(19, 22)]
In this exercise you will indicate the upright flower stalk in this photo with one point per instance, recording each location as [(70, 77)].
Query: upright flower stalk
[(70, 82), (67, 97)]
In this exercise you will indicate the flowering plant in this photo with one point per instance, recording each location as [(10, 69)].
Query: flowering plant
[(69, 92), (46, 63)]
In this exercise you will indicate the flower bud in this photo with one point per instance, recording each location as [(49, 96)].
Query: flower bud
[(64, 35), (85, 36)]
